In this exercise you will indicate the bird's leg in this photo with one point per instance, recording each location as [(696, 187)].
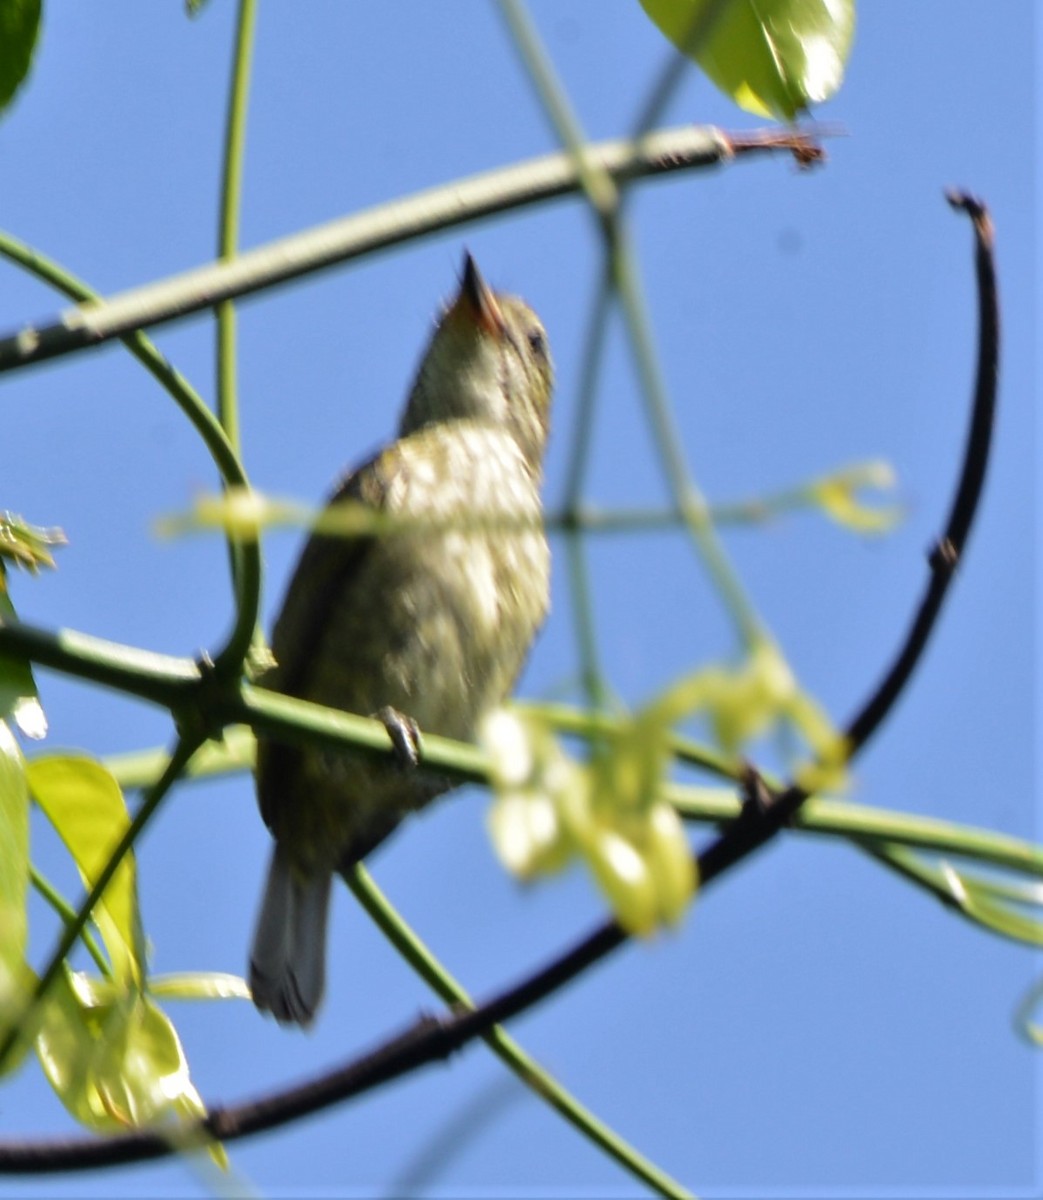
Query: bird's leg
[(404, 733)]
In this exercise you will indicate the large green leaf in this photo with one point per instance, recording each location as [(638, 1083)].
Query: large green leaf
[(84, 803), (773, 57), (19, 27)]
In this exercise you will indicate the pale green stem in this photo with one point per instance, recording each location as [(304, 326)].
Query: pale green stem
[(231, 203), (625, 279), (862, 823), (583, 430), (245, 556), (583, 622), (181, 391), (67, 913), (226, 459), (492, 193), (668, 442), (600, 189), (870, 828), (545, 1086), (159, 678)]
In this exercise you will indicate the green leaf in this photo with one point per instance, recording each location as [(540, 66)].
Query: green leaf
[(84, 803), (25, 545), (773, 57), (1023, 1022), (199, 985), (114, 1058), (18, 696), (19, 27), (15, 977), (994, 904), (974, 898), (838, 496)]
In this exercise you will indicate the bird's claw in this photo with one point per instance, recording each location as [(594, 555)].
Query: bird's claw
[(404, 733)]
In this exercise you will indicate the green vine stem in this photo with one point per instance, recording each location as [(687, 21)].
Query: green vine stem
[(159, 678), (231, 203), (44, 888), (419, 957), (245, 555), (145, 351), (878, 831), (226, 459), (624, 277)]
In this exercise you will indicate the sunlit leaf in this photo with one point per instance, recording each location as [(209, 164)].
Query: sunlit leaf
[(199, 985), (976, 902), (839, 497), (773, 57), (533, 782), (27, 546), (998, 906), (18, 696), (114, 1058), (19, 29), (15, 978), (548, 809), (84, 803)]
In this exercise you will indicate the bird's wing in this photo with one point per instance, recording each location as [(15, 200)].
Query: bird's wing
[(327, 564)]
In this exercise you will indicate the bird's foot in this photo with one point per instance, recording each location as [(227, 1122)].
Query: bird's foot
[(404, 733)]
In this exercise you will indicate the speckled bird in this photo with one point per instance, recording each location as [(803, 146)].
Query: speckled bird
[(426, 625)]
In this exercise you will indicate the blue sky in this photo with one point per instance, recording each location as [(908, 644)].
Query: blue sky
[(816, 1026)]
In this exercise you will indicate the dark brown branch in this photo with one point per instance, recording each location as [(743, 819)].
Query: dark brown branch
[(431, 1038), (947, 553)]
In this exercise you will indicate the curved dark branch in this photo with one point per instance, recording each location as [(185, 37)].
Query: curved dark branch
[(945, 556), (432, 1038), (761, 820)]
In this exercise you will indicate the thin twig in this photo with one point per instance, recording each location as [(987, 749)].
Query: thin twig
[(492, 193)]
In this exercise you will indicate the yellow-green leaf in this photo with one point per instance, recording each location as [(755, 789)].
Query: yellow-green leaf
[(15, 978), (18, 696), (83, 802), (199, 985), (773, 57), (24, 545), (838, 496), (114, 1058)]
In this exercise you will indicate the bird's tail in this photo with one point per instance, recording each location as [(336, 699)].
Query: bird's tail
[(288, 957)]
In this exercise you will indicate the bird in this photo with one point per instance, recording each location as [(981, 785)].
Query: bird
[(425, 623)]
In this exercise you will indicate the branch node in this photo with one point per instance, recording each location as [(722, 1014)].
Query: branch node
[(944, 556), (758, 799), (199, 716)]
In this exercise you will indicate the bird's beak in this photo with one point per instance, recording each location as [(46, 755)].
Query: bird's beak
[(476, 300)]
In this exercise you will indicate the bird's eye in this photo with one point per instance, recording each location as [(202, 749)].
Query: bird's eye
[(538, 343)]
